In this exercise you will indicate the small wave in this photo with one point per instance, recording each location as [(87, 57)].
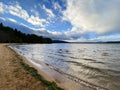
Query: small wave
[(88, 59), (76, 79), (94, 69), (65, 51), (85, 67), (56, 58), (98, 62), (105, 54)]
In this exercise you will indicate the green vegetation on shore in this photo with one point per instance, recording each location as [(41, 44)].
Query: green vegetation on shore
[(34, 73), (10, 35)]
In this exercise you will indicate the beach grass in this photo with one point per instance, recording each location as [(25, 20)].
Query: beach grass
[(34, 73)]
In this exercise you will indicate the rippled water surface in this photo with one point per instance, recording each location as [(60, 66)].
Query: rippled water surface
[(96, 64)]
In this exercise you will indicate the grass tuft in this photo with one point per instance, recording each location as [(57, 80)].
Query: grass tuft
[(34, 73)]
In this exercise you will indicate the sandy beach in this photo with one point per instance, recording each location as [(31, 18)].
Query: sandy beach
[(12, 74)]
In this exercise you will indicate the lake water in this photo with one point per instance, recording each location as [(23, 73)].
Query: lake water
[(95, 65)]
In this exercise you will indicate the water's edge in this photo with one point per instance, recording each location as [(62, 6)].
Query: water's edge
[(96, 63), (73, 78)]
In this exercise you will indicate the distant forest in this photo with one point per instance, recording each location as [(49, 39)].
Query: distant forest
[(10, 35)]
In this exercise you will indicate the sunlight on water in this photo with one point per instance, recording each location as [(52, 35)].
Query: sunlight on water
[(97, 64)]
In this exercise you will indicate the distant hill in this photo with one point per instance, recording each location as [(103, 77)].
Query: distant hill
[(95, 42), (113, 42), (10, 35), (59, 41)]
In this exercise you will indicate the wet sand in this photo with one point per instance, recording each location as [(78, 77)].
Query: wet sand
[(12, 74)]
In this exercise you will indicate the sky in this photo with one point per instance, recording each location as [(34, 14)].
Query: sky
[(70, 20)]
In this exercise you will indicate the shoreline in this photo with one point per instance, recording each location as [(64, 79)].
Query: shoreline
[(40, 72), (57, 78), (21, 78), (50, 74)]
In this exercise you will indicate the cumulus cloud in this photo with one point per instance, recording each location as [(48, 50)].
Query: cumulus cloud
[(18, 11), (49, 12), (2, 18), (1, 7), (91, 20), (12, 20), (56, 6), (36, 20), (98, 16), (72, 36)]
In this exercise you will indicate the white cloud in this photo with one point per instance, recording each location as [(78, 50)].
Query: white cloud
[(49, 12), (2, 18), (36, 20), (56, 6), (18, 11), (12, 20), (106, 38), (98, 16), (34, 11), (1, 7), (86, 16)]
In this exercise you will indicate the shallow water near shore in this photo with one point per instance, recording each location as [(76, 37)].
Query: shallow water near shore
[(93, 65)]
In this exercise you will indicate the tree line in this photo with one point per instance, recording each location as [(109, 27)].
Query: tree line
[(10, 35)]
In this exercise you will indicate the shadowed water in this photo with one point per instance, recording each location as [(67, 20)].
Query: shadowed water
[(96, 64)]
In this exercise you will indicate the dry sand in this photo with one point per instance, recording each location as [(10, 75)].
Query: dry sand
[(12, 74)]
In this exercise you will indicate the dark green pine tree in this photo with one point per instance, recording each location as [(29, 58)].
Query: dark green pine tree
[(11, 35)]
